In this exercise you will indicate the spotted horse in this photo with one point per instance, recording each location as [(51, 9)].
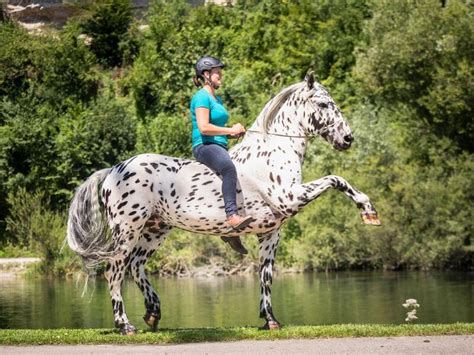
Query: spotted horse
[(121, 215)]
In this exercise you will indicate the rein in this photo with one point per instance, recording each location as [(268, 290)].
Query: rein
[(275, 134)]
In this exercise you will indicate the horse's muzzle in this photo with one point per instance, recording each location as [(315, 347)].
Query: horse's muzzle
[(346, 143)]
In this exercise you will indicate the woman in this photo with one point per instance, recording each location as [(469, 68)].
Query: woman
[(209, 135)]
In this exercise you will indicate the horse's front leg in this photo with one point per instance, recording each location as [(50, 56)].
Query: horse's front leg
[(268, 244), (300, 195)]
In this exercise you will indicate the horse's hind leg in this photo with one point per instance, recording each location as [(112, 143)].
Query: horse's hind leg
[(125, 239), (268, 244), (115, 273), (152, 237)]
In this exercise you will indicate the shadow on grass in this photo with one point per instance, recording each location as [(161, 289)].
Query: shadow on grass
[(197, 335), (189, 335)]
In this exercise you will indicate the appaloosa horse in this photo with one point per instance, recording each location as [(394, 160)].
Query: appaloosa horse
[(121, 215)]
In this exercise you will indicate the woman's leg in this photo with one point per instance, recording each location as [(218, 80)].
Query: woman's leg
[(217, 158)]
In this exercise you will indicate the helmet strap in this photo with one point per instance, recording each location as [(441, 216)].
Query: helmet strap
[(208, 81)]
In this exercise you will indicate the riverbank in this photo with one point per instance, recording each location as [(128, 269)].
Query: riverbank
[(199, 335), (13, 267)]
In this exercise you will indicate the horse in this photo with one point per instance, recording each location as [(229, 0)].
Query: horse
[(122, 214)]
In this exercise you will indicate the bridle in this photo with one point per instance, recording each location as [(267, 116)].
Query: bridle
[(294, 136)]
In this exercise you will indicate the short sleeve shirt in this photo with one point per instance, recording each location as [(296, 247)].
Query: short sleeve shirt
[(218, 116)]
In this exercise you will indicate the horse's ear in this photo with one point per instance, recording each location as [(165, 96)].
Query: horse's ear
[(309, 78)]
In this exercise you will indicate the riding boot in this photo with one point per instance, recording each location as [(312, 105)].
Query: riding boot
[(236, 244)]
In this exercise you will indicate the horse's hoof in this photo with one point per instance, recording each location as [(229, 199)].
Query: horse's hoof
[(371, 218), (128, 329), (152, 319), (271, 325)]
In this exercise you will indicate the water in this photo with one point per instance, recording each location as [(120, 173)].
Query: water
[(302, 299)]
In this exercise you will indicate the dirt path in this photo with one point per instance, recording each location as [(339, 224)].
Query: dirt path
[(456, 344)]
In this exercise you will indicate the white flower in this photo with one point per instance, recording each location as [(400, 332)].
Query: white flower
[(411, 302), (87, 39), (411, 316)]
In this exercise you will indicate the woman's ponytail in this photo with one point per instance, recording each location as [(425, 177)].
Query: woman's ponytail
[(197, 81)]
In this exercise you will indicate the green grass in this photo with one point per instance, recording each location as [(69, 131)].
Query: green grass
[(196, 335)]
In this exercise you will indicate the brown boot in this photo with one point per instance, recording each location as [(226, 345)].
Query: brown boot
[(237, 222)]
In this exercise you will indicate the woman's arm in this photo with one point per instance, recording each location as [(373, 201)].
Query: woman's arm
[(202, 119)]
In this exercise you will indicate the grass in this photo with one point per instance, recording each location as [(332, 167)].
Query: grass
[(196, 335)]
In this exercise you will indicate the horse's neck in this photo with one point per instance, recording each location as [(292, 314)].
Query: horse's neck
[(284, 133)]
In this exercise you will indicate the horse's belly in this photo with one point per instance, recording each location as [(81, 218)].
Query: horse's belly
[(184, 194), (207, 217)]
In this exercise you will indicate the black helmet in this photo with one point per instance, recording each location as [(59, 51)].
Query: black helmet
[(207, 63)]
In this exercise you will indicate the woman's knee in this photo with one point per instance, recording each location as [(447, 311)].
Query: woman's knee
[(228, 168)]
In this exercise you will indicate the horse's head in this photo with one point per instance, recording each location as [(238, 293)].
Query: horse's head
[(323, 117)]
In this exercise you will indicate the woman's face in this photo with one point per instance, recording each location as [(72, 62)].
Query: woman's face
[(214, 76)]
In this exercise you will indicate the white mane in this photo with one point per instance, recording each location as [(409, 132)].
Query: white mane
[(272, 108)]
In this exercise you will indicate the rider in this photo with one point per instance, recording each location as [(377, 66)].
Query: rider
[(209, 135)]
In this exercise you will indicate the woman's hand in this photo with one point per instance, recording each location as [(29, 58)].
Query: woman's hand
[(237, 130)]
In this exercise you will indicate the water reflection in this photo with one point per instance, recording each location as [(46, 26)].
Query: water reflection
[(351, 297)]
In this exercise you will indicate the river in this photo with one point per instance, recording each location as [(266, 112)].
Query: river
[(298, 299)]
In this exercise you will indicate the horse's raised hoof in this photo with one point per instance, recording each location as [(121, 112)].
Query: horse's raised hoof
[(152, 319), (128, 329), (271, 325), (370, 218)]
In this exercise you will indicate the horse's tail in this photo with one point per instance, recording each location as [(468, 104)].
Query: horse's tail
[(87, 231)]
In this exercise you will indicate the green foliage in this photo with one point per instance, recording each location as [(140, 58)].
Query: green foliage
[(33, 225), (73, 144), (108, 26), (168, 135), (424, 207), (420, 54), (50, 69), (264, 43), (91, 138), (17, 50), (14, 250), (402, 72), (184, 252)]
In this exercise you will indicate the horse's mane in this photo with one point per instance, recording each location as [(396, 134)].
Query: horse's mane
[(273, 106)]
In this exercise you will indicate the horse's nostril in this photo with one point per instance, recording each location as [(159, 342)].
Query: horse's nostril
[(348, 138)]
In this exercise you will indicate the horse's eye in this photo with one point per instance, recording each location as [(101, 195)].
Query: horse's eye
[(323, 105)]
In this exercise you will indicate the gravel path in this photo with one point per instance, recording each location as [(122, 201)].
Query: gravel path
[(456, 344)]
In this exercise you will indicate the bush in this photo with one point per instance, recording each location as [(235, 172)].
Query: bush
[(417, 53), (91, 138), (167, 135), (108, 26), (33, 225)]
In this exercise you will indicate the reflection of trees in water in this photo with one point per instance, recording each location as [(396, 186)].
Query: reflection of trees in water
[(312, 299)]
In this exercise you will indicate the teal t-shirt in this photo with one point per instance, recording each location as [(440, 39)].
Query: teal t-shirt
[(218, 116)]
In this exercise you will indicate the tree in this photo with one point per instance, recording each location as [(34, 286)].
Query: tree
[(420, 54), (108, 26)]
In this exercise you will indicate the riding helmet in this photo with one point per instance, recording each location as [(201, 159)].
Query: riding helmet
[(207, 63)]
